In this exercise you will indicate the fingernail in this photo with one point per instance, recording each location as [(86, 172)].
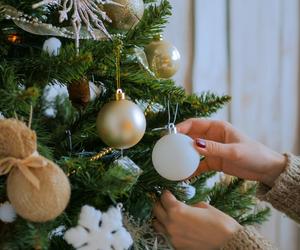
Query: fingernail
[(201, 143)]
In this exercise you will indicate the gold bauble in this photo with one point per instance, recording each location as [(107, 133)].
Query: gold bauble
[(163, 58), (45, 203), (127, 16), (121, 124)]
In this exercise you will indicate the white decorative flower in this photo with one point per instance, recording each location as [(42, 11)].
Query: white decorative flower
[(98, 230), (7, 212), (87, 12)]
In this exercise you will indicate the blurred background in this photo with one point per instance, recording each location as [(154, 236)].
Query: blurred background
[(248, 49)]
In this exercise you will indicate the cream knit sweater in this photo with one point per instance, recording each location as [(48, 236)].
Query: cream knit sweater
[(284, 196)]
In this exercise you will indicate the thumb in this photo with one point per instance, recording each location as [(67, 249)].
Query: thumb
[(212, 148), (168, 200), (201, 205)]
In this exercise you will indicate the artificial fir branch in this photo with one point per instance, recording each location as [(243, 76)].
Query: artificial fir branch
[(235, 200), (256, 217), (24, 72), (152, 24)]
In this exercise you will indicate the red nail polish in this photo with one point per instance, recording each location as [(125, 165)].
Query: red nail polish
[(201, 143)]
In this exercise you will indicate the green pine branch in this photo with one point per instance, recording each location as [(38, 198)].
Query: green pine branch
[(152, 24)]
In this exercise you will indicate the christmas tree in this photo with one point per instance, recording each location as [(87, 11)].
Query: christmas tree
[(95, 48)]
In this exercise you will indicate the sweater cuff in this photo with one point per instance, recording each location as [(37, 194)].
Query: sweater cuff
[(247, 238), (285, 194)]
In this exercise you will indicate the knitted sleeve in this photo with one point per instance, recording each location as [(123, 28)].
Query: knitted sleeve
[(247, 238), (285, 194)]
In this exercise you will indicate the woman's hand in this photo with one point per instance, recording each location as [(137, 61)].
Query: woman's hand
[(192, 228), (228, 150)]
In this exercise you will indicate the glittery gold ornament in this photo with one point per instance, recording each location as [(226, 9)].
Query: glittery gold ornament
[(121, 124), (126, 17), (163, 58)]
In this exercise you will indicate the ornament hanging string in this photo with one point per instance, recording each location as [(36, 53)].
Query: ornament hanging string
[(169, 113), (117, 51), (171, 125)]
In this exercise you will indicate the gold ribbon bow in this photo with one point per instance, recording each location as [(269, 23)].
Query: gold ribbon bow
[(24, 165)]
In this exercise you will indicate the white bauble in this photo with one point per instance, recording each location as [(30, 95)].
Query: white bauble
[(174, 157), (52, 46)]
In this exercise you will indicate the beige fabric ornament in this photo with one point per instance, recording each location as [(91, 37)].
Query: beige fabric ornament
[(36, 187)]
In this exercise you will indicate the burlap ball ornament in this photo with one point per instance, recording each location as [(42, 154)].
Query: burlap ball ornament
[(36, 187)]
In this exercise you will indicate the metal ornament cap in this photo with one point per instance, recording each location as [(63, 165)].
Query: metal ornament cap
[(120, 95)]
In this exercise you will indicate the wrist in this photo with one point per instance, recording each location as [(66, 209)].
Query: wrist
[(277, 166), (232, 227)]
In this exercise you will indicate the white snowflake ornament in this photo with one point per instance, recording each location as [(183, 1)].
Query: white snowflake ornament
[(99, 231), (7, 213)]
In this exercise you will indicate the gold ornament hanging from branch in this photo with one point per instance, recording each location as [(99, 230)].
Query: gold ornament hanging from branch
[(121, 124), (163, 58), (127, 15)]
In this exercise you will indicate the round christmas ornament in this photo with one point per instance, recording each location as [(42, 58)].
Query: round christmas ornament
[(163, 58), (126, 16), (121, 124), (52, 46), (36, 187), (174, 156)]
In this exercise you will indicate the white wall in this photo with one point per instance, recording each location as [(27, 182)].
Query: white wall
[(248, 49), (179, 32)]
